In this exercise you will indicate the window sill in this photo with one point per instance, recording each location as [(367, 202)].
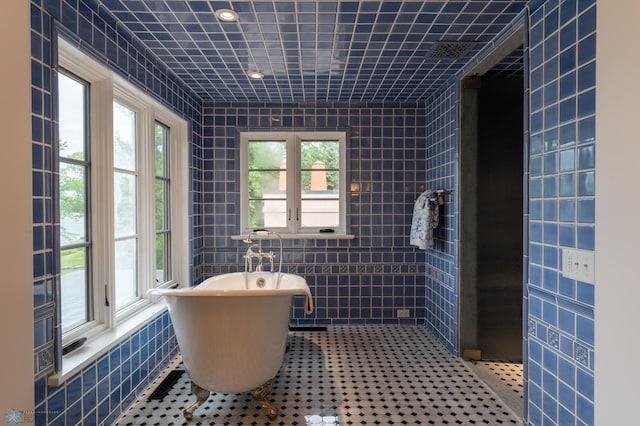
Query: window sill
[(102, 343), (318, 236)]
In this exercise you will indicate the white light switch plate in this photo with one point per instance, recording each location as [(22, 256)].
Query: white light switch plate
[(578, 265)]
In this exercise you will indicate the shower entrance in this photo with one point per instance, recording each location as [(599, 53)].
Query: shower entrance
[(491, 205), (491, 265)]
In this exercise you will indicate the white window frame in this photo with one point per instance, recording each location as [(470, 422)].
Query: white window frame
[(293, 141), (105, 87), (67, 160)]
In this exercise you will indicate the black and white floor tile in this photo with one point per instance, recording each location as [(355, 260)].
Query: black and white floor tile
[(346, 375), (504, 378)]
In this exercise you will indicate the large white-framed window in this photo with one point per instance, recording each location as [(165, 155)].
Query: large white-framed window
[(123, 201), (294, 182)]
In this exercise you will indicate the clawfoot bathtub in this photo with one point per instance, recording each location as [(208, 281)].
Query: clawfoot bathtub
[(232, 331)]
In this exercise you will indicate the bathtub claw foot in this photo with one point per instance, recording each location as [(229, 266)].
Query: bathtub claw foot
[(260, 395), (201, 396)]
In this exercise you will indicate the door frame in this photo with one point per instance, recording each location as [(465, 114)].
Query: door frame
[(468, 95)]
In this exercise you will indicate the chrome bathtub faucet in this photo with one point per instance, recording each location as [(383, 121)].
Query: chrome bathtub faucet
[(269, 256), (249, 256), (259, 254)]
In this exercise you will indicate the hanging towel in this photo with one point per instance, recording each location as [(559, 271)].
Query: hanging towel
[(308, 301), (425, 219)]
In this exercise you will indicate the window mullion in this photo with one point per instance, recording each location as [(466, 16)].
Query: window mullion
[(146, 200), (293, 182), (161, 238), (343, 183), (244, 190), (179, 177), (102, 191)]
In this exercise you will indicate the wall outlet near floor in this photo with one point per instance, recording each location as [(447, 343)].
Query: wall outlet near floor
[(403, 313)]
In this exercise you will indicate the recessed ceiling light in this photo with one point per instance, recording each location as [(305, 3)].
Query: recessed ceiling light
[(227, 15), (255, 74)]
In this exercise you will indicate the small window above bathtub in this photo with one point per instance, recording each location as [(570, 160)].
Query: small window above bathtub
[(294, 183)]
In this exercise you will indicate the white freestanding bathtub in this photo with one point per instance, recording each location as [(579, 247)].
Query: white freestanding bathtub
[(232, 331)]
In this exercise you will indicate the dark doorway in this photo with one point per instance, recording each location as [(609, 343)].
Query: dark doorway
[(499, 220), (491, 209)]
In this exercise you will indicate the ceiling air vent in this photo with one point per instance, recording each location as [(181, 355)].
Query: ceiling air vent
[(449, 49)]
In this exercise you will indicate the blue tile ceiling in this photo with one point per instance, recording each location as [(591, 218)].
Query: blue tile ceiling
[(313, 51)]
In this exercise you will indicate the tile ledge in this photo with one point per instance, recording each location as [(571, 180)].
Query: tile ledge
[(102, 343), (318, 236)]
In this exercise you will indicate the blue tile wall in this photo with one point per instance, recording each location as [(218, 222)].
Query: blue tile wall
[(106, 387), (442, 269), (441, 314), (562, 153), (362, 280), (560, 140)]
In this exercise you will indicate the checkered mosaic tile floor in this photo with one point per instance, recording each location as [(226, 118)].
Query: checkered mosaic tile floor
[(504, 378), (347, 375), (508, 372)]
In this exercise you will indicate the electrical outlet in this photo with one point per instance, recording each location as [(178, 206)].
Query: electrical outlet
[(403, 313), (578, 265)]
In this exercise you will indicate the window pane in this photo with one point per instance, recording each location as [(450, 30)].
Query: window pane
[(161, 205), (267, 184), (162, 256), (319, 179), (126, 273), (73, 207), (163, 234), (268, 213), (124, 137), (161, 150), (326, 152), (267, 199), (320, 184), (267, 155), (72, 110), (256, 214), (320, 212), (73, 202), (73, 285), (124, 197)]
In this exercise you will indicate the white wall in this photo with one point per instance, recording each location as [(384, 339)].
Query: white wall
[(617, 250), (16, 283)]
